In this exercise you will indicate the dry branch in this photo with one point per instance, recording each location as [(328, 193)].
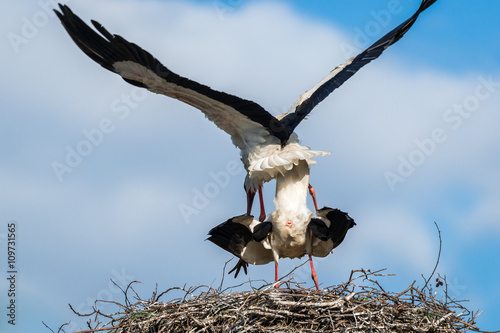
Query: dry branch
[(359, 305)]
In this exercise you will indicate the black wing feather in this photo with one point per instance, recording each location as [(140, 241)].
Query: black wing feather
[(319, 229), (340, 223), (231, 236), (114, 49), (291, 120)]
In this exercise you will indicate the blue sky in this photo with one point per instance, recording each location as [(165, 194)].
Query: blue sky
[(413, 136)]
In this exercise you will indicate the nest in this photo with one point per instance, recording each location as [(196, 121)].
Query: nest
[(359, 305)]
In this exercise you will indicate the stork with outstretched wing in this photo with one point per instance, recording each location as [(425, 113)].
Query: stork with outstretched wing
[(269, 147)]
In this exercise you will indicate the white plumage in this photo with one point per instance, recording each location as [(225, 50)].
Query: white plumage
[(262, 153)]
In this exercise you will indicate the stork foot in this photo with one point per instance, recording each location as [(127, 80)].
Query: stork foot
[(241, 263)]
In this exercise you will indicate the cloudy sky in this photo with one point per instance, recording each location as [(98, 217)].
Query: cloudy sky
[(106, 181)]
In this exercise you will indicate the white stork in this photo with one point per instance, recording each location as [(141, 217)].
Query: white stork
[(269, 147), (268, 144), (291, 231)]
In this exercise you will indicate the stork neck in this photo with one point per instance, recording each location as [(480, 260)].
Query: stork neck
[(292, 187)]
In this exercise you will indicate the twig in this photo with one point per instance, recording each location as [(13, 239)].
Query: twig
[(366, 307), (438, 257)]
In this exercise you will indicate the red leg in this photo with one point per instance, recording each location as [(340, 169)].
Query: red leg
[(313, 195), (313, 273), (276, 278), (250, 197), (262, 216)]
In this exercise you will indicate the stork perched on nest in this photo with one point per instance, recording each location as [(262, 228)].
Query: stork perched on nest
[(291, 231), (269, 147)]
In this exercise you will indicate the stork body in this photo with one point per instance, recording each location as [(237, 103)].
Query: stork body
[(289, 237)]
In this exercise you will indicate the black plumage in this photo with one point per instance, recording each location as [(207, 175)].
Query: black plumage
[(294, 117), (231, 235), (261, 231), (113, 49), (340, 223)]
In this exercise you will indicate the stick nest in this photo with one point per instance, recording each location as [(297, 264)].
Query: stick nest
[(358, 305)]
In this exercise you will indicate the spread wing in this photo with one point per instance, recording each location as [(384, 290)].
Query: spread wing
[(242, 119), (307, 101)]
